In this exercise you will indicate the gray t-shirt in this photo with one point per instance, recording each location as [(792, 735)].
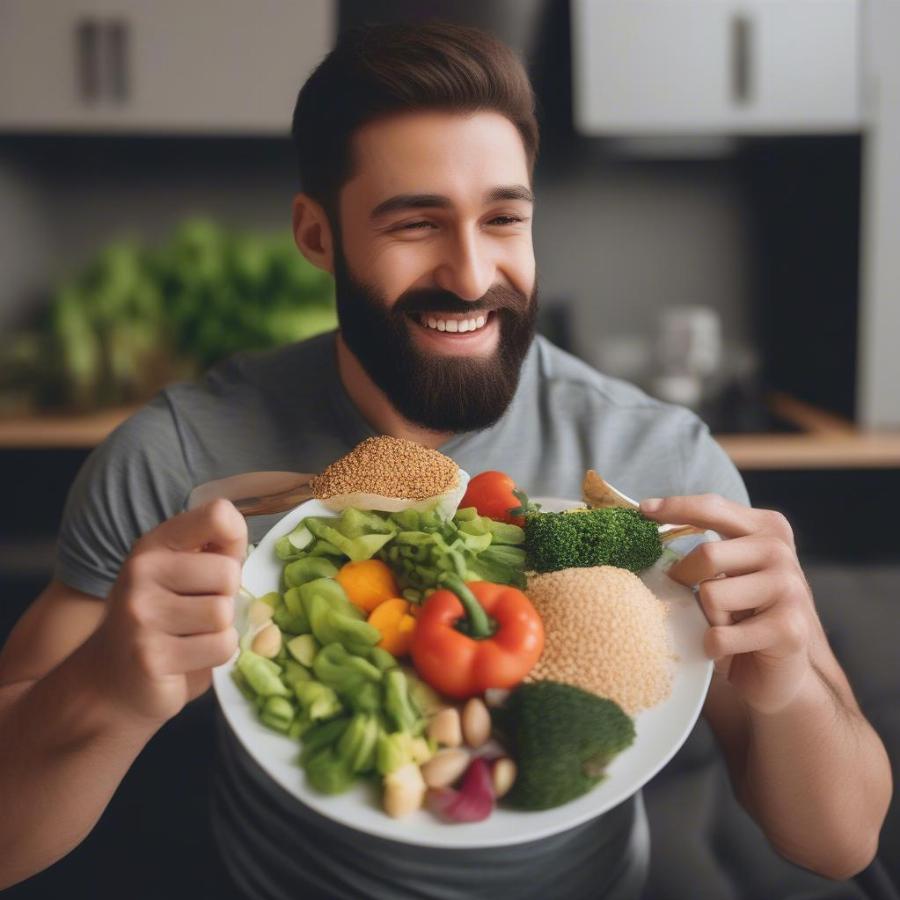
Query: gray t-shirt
[(287, 410)]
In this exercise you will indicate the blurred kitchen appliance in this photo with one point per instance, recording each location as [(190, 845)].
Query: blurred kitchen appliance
[(689, 354)]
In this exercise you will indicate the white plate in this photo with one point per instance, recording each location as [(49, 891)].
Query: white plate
[(660, 731)]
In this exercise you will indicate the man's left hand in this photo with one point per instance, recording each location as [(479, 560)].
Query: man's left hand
[(753, 592)]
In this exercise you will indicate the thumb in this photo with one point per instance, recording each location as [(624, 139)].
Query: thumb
[(653, 508)]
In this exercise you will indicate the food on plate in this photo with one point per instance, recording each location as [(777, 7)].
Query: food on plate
[(476, 635), (491, 600), (495, 495), (417, 546), (398, 748), (445, 727), (591, 537), (472, 802), (267, 641), (503, 776), (395, 624), (404, 791), (391, 474), (445, 767), (476, 722), (367, 582), (605, 632), (562, 739)]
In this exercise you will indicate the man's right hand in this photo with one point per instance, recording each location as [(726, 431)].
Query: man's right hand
[(171, 612)]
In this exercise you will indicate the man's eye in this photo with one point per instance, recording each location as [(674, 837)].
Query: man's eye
[(506, 220), (411, 226)]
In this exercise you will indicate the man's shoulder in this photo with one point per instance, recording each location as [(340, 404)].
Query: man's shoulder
[(297, 368), (559, 370)]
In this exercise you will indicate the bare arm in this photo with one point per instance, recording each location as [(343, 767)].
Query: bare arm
[(84, 684), (815, 775), (804, 761), (64, 751)]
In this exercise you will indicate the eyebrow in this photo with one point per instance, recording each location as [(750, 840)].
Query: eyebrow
[(438, 201)]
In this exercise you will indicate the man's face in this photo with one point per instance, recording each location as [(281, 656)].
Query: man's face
[(434, 264)]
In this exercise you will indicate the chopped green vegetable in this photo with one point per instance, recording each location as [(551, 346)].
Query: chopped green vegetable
[(300, 538), (563, 738), (357, 744), (261, 674), (393, 751), (397, 703), (328, 772), (308, 569), (317, 701), (303, 648), (322, 734), (277, 713), (343, 671), (592, 537)]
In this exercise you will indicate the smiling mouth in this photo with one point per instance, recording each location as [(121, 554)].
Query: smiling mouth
[(454, 324)]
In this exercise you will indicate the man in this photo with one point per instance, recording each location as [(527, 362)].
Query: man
[(416, 148)]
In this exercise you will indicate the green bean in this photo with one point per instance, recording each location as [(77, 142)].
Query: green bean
[(259, 675), (277, 713)]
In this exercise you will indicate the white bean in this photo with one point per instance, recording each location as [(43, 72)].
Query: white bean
[(258, 613), (503, 775), (268, 641), (445, 727), (476, 722), (445, 767)]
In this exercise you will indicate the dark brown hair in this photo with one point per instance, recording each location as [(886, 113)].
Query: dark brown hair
[(380, 70)]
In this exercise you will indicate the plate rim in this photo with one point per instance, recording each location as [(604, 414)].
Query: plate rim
[(223, 683)]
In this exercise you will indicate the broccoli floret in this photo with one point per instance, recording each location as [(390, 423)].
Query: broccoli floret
[(562, 738), (591, 537)]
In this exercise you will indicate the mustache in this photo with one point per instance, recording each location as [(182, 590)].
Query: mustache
[(499, 297)]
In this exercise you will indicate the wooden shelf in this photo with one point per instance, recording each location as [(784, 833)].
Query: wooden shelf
[(72, 431), (826, 442), (812, 451)]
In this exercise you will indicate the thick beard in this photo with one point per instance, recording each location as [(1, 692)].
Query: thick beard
[(439, 393)]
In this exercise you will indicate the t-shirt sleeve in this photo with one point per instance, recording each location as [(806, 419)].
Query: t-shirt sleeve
[(136, 479), (707, 467)]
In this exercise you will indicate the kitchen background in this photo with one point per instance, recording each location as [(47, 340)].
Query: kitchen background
[(718, 219)]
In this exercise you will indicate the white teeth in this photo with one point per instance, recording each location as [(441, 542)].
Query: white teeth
[(460, 326)]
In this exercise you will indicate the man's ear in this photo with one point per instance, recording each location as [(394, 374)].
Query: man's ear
[(312, 232)]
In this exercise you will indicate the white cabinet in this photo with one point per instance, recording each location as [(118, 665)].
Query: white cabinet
[(189, 66), (716, 66)]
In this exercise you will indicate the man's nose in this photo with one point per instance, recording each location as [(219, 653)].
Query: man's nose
[(467, 270)]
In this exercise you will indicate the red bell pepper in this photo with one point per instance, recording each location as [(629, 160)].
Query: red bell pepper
[(474, 636)]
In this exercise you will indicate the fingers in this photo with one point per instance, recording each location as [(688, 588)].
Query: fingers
[(738, 556), (778, 632), (722, 598), (188, 573), (216, 527), (711, 511), (193, 615), (166, 655), (202, 651)]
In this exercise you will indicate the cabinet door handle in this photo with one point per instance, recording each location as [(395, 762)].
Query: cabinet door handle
[(87, 59), (118, 41), (741, 59)]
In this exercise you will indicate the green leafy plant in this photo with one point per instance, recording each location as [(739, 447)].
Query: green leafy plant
[(137, 317)]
